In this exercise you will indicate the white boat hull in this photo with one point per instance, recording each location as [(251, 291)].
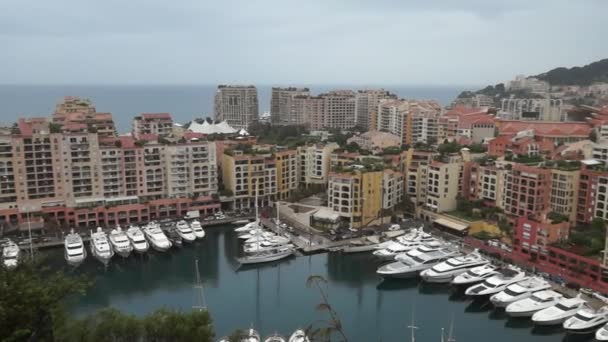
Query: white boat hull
[(266, 258), (554, 321), (437, 279), (161, 248), (359, 249), (124, 253)]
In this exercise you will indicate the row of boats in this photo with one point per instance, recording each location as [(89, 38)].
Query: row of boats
[(252, 335), (260, 245), (510, 288), (137, 239)]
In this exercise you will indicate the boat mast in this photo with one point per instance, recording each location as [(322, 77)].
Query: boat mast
[(413, 328), (257, 216), (450, 332), (198, 286)]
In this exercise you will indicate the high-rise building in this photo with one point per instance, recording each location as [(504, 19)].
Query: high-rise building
[(527, 190), (287, 170), (367, 106), (314, 163), (284, 110), (356, 195), (238, 105), (339, 109)]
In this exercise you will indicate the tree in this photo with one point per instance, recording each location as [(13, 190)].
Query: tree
[(32, 299), (333, 323), (448, 148), (352, 147), (161, 325)]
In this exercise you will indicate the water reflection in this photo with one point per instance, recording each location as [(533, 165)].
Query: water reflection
[(397, 284), (478, 306)]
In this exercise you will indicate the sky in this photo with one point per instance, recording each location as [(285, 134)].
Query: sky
[(425, 42)]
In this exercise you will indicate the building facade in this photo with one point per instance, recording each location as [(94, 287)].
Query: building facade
[(285, 109), (237, 105)]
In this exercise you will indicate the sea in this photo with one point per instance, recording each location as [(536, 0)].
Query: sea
[(275, 297), (184, 102)]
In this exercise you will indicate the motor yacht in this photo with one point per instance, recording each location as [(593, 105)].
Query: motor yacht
[(396, 248), (100, 246), (497, 282), (174, 237), (366, 244), (267, 256), (518, 291), (275, 338), (410, 264), (74, 250), (586, 320), (602, 333), (251, 336), (184, 230), (138, 239), (247, 227), (276, 239), (537, 301), (475, 275), (298, 336), (263, 246), (157, 238), (255, 233), (10, 253), (446, 271), (197, 229), (413, 237), (120, 242), (558, 313)]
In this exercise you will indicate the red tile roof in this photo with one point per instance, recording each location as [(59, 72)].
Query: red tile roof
[(148, 137), (545, 129)]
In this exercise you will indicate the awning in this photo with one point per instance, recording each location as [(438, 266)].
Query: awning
[(326, 214), (451, 224)]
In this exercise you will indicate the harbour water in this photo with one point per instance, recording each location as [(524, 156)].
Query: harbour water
[(275, 297)]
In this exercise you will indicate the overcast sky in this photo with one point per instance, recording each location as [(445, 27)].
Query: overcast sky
[(429, 42)]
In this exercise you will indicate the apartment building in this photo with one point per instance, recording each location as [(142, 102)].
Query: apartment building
[(246, 173), (392, 188), (412, 120), (375, 141), (527, 190), (416, 163), (366, 106), (443, 185), (534, 109), (79, 112), (236, 104), (159, 124), (310, 111), (82, 178), (592, 192), (287, 170), (356, 196), (394, 116), (284, 110), (564, 192), (339, 109), (314, 163), (484, 182)]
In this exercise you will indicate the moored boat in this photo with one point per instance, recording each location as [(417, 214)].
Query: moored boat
[(197, 229), (586, 320), (184, 231), (138, 239), (537, 301), (101, 248), (299, 336), (10, 253), (157, 238), (446, 271), (74, 250), (120, 242), (267, 256), (558, 313), (518, 291)]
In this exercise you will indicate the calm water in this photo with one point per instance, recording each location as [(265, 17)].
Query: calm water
[(184, 102), (275, 297)]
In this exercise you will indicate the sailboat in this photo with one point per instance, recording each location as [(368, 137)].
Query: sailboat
[(450, 337)]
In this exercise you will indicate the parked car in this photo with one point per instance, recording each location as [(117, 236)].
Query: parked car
[(394, 227)]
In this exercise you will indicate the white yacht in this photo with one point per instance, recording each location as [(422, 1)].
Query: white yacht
[(446, 271), (263, 246), (396, 248), (411, 238), (602, 333), (197, 229), (74, 251), (258, 232), (586, 320), (252, 336), (497, 283), (275, 338), (410, 264), (365, 244), (529, 306), (475, 275), (157, 238), (299, 336), (518, 291), (558, 313), (120, 242), (267, 256), (100, 246), (138, 240), (276, 239), (184, 230), (247, 227), (10, 254)]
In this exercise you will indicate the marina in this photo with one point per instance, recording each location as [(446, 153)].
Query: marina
[(240, 296)]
